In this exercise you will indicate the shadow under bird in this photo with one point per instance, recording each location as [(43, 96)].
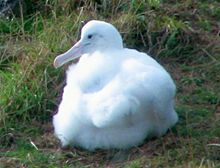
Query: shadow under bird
[(114, 97)]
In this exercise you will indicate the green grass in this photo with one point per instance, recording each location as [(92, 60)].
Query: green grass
[(182, 35)]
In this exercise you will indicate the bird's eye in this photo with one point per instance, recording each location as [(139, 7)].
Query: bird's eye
[(89, 36)]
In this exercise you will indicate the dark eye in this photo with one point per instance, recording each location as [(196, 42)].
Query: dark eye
[(89, 36)]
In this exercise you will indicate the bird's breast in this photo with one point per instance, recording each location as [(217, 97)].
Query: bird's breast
[(94, 74)]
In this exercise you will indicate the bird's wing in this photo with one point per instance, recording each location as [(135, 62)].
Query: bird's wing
[(126, 96)]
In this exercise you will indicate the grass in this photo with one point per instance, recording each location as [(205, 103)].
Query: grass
[(183, 36)]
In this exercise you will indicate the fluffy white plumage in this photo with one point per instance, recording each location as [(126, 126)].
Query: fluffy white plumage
[(115, 97)]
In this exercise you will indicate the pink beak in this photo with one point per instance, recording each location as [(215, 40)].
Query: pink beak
[(71, 54)]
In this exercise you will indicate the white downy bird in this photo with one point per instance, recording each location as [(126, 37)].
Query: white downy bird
[(114, 97)]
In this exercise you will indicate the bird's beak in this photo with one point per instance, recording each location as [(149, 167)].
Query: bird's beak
[(71, 54)]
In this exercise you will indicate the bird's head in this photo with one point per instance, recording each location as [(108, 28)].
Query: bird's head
[(95, 36)]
